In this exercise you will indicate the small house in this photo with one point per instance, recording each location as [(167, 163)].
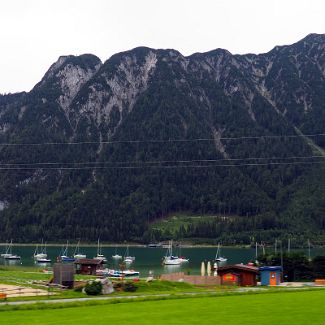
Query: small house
[(270, 275), (63, 274), (88, 266), (238, 274)]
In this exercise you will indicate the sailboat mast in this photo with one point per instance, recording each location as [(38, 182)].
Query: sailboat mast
[(276, 246)]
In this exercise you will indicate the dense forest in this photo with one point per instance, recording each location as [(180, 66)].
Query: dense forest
[(106, 150)]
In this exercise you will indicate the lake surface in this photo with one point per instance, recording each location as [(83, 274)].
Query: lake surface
[(146, 259)]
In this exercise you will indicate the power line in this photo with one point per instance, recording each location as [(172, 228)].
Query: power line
[(159, 141), (164, 167), (159, 161)]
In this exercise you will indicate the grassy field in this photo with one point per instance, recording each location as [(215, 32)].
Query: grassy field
[(174, 222), (27, 276), (270, 308)]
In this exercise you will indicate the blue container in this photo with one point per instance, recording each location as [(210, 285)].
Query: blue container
[(270, 275)]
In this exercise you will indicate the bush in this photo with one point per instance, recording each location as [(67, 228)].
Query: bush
[(125, 286), (130, 287), (118, 286), (93, 288)]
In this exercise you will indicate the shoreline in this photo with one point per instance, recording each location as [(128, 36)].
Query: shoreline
[(123, 245)]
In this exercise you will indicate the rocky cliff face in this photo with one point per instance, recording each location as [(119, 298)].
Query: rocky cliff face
[(160, 95)]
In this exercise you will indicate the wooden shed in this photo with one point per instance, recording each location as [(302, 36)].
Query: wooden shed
[(88, 266), (238, 274), (63, 274)]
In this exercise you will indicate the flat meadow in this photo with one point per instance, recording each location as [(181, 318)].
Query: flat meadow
[(287, 307)]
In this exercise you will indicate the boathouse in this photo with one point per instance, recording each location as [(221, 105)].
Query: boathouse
[(88, 266), (238, 274), (270, 275)]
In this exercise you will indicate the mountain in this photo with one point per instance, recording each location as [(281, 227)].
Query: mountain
[(106, 149)]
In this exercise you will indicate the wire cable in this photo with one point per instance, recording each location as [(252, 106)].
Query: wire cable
[(164, 167), (160, 141), (159, 161)]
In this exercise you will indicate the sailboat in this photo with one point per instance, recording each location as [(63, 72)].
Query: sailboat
[(116, 256), (64, 255), (169, 259), (99, 255), (8, 254), (127, 258), (41, 256), (218, 257), (77, 254)]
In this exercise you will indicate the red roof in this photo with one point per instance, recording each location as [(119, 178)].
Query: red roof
[(239, 267), (88, 261)]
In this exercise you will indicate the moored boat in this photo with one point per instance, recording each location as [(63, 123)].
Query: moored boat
[(40, 254), (99, 255), (169, 258), (43, 260), (118, 273), (154, 245), (12, 257), (116, 256), (64, 257), (8, 255), (218, 257), (127, 258), (77, 255)]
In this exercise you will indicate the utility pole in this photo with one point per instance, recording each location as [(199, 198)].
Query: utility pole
[(281, 255)]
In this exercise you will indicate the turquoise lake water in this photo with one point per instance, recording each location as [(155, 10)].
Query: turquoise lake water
[(146, 259)]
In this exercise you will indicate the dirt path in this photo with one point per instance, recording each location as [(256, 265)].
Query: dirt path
[(21, 291)]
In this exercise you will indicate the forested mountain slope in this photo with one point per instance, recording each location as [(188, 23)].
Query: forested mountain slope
[(104, 149)]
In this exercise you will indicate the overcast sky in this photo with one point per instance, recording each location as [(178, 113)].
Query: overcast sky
[(34, 33)]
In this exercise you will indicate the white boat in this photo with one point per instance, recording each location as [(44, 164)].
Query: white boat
[(116, 256), (169, 258), (13, 257), (8, 255), (218, 257), (127, 258), (99, 255), (77, 255), (118, 273), (43, 260), (64, 255), (40, 254)]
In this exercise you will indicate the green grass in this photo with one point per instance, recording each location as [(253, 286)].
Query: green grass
[(25, 276), (22, 276), (174, 222), (164, 287), (304, 307)]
